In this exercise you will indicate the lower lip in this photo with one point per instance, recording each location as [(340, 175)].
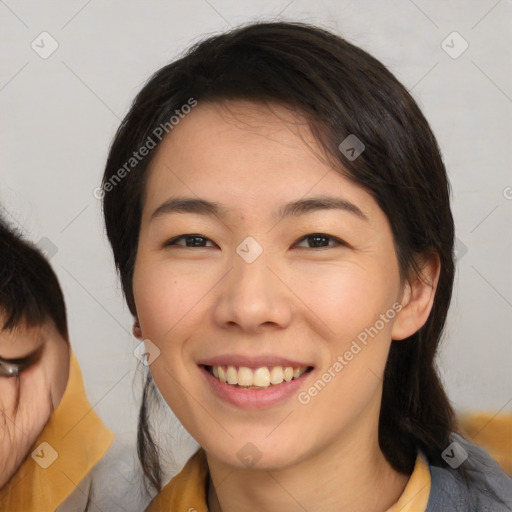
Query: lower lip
[(254, 398)]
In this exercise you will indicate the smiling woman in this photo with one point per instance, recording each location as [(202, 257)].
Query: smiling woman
[(261, 246)]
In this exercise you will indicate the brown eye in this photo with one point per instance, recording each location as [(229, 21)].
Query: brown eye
[(191, 240), (13, 367), (320, 240)]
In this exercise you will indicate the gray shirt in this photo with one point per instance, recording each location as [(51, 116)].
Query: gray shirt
[(449, 493)]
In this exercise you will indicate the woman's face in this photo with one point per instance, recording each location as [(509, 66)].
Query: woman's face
[(253, 289), (27, 402)]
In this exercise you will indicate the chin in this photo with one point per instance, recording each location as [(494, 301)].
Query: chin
[(252, 454)]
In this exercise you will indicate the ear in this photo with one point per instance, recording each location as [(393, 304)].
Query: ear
[(417, 299), (137, 331)]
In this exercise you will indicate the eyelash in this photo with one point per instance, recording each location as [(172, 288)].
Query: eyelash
[(13, 367), (338, 241)]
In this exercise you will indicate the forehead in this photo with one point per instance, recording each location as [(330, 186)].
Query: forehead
[(249, 156)]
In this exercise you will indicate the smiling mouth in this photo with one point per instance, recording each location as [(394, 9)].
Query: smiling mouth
[(262, 377)]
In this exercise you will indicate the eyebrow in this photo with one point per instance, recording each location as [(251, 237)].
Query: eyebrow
[(295, 208)]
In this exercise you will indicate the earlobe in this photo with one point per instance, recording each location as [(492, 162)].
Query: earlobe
[(417, 300), (137, 331)]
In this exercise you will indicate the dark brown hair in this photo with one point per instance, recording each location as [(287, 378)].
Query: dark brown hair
[(341, 90), (30, 292)]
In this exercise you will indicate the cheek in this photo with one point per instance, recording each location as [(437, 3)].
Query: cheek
[(8, 394), (348, 298), (25, 405), (167, 299), (165, 296), (356, 303)]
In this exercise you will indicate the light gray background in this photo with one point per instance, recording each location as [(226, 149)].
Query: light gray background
[(59, 115)]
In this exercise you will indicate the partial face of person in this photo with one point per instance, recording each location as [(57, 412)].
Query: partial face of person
[(34, 364), (266, 286)]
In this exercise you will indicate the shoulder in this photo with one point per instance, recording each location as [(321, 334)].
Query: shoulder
[(489, 489)]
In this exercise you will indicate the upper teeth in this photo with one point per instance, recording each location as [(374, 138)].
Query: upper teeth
[(261, 377)]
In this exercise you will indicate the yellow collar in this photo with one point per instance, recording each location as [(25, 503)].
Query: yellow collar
[(417, 491), (187, 490), (72, 442)]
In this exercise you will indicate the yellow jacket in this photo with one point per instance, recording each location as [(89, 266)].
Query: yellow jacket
[(187, 490), (72, 442)]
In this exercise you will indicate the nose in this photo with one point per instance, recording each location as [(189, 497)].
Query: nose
[(253, 297)]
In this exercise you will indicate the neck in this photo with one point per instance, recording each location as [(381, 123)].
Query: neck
[(349, 476)]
